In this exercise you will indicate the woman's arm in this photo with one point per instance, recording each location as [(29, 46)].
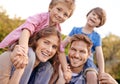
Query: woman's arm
[(15, 79)]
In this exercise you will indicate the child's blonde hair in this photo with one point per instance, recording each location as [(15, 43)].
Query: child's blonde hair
[(69, 3), (101, 13)]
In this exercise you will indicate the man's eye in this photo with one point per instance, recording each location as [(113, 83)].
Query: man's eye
[(82, 51), (73, 49)]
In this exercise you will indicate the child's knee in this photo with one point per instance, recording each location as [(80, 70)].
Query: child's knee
[(91, 77), (91, 73)]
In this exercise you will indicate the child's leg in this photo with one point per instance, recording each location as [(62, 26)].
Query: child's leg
[(29, 67), (91, 77), (5, 67), (91, 72)]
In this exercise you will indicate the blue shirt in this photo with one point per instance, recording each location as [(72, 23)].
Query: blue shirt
[(79, 78), (41, 74)]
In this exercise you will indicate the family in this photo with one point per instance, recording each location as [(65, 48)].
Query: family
[(36, 53)]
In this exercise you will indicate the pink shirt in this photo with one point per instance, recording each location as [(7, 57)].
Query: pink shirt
[(33, 24)]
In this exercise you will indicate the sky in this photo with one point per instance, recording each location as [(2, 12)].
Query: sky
[(26, 8)]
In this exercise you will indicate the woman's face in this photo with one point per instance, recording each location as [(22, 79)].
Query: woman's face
[(47, 47)]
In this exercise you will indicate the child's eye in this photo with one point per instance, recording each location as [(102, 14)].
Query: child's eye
[(94, 14), (66, 15), (58, 9)]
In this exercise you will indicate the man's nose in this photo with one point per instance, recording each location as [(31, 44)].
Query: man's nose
[(77, 54)]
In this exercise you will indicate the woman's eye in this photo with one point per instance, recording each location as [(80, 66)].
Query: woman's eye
[(55, 47), (46, 42)]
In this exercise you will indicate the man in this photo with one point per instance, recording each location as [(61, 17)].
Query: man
[(79, 51)]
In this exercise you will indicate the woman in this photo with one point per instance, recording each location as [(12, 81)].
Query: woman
[(44, 45)]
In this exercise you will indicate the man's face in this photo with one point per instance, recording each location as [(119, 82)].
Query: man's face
[(78, 54)]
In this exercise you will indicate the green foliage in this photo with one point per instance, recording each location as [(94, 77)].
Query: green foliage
[(111, 50), (7, 24), (66, 49)]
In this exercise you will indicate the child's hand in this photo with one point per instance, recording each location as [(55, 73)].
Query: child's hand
[(61, 79), (18, 57), (67, 74)]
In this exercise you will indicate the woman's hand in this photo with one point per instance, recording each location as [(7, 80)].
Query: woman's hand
[(18, 57)]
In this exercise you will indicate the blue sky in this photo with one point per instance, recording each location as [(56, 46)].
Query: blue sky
[(25, 8)]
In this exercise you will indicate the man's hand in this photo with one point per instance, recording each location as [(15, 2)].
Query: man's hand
[(105, 78)]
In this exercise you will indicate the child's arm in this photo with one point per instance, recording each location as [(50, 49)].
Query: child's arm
[(22, 52), (24, 39), (63, 61), (61, 79), (62, 58), (100, 59)]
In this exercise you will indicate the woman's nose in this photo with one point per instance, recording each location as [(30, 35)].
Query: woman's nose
[(49, 48)]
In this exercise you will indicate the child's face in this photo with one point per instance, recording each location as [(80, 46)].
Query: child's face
[(93, 19), (59, 13)]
